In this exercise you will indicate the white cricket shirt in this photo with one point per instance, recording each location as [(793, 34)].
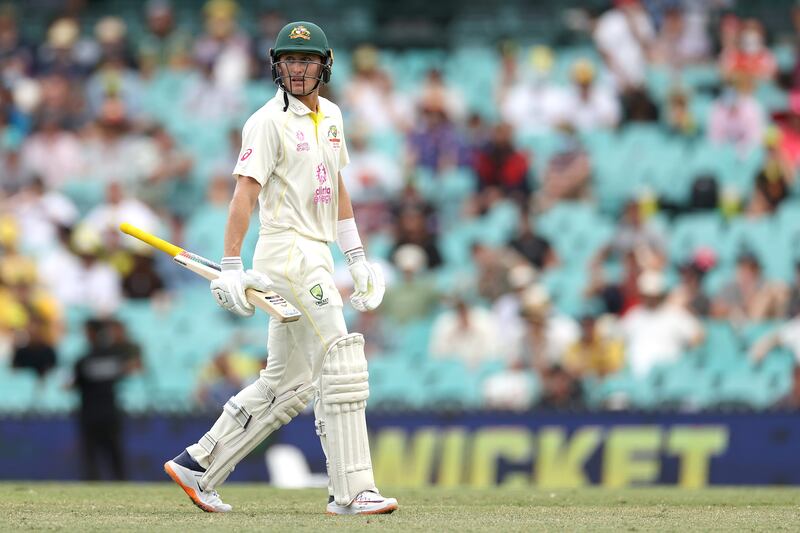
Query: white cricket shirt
[(296, 156)]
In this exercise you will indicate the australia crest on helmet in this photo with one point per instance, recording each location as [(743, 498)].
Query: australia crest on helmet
[(300, 32)]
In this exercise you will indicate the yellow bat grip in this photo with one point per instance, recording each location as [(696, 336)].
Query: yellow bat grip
[(150, 239)]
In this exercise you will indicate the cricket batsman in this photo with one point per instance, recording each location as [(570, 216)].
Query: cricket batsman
[(293, 151)]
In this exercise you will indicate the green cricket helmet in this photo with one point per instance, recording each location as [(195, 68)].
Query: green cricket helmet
[(302, 37)]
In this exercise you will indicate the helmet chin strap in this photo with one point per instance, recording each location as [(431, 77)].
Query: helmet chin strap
[(287, 92), (311, 90)]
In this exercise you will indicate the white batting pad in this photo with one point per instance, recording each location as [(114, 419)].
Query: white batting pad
[(247, 419), (343, 392)]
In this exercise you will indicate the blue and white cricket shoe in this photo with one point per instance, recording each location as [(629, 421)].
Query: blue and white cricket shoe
[(187, 473), (367, 502)]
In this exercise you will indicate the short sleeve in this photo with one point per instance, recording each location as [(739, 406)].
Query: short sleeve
[(259, 150), (344, 157)]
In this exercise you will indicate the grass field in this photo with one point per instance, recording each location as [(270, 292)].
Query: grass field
[(163, 507)]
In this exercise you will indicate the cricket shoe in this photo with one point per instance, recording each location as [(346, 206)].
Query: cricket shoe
[(187, 473), (367, 502)]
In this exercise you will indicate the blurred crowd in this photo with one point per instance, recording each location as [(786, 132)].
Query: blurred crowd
[(100, 124)]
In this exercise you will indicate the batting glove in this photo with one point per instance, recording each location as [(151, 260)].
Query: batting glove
[(229, 289), (368, 282)]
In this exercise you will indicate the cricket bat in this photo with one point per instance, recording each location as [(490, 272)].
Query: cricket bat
[(271, 302)]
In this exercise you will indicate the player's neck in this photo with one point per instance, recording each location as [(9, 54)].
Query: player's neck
[(311, 101)]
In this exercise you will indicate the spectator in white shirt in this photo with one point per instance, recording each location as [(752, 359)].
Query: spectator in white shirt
[(370, 98), (545, 336), (223, 47), (52, 152), (435, 88), (112, 151), (465, 332), (682, 38), (39, 213), (507, 308), (586, 104), (534, 352), (737, 118), (82, 279), (527, 105), (656, 332), (118, 208), (624, 35)]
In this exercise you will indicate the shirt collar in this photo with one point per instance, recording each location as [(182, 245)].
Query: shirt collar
[(298, 107)]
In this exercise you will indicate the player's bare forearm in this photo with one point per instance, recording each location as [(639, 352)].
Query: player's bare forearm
[(240, 209), (345, 206)]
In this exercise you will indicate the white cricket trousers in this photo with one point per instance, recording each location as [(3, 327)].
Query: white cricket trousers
[(302, 272)]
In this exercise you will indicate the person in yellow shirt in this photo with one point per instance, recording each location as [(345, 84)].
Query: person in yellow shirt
[(595, 353)]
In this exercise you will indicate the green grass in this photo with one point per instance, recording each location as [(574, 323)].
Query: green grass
[(163, 507)]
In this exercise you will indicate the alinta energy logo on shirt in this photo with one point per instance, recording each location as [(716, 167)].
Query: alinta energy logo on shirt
[(301, 146), (323, 193), (319, 296)]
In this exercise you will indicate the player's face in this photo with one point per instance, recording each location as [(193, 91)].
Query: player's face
[(299, 71)]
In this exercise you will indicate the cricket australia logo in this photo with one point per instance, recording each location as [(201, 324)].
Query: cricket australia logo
[(300, 32), (333, 137), (319, 296)]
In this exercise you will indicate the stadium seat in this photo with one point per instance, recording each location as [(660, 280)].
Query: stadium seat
[(722, 348), (455, 244), (499, 225), (759, 236), (380, 246), (700, 77), (683, 385), (52, 394), (450, 385), (542, 146), (700, 106), (774, 375), (576, 230), (740, 388), (85, 193), (566, 287), (411, 340), (772, 97), (693, 231), (395, 383), (390, 143), (19, 388), (565, 218), (616, 389), (134, 393)]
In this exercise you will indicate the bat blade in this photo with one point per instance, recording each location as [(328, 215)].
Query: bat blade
[(270, 302)]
